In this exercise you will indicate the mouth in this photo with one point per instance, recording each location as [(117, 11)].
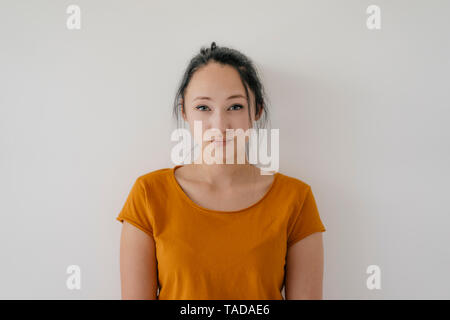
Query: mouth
[(220, 141)]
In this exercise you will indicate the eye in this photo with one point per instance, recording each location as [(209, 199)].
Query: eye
[(237, 105), (198, 108)]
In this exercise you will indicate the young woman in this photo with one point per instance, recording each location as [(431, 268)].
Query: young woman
[(220, 231)]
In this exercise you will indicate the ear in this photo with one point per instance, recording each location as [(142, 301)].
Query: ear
[(182, 110), (259, 114)]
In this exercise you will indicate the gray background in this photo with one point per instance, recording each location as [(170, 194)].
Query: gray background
[(362, 116)]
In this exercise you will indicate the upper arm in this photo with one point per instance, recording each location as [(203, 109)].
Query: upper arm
[(304, 268), (138, 269)]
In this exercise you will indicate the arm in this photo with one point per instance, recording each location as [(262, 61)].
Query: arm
[(137, 264), (304, 269)]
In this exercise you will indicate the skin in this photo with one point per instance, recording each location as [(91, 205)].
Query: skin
[(219, 187), (137, 264)]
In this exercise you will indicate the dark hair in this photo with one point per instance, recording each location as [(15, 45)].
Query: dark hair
[(242, 64)]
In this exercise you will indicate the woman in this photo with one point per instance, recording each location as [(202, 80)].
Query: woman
[(220, 231)]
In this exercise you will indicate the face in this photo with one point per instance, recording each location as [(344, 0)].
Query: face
[(216, 97)]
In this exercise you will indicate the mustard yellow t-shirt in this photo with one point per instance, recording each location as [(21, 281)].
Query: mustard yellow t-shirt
[(205, 254)]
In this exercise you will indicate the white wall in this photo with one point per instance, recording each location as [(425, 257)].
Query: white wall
[(362, 116)]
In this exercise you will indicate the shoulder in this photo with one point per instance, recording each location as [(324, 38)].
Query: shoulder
[(156, 177), (293, 186), (293, 181)]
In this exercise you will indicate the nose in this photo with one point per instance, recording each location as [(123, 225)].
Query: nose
[(220, 123)]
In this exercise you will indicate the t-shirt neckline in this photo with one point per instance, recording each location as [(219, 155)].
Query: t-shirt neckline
[(195, 205)]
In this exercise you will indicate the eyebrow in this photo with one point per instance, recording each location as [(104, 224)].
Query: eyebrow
[(230, 97)]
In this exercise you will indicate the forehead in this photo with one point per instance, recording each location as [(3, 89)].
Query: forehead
[(216, 81)]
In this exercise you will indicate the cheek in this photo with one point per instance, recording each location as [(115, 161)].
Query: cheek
[(242, 123), (197, 133)]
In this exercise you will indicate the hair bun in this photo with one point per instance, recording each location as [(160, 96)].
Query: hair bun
[(213, 46)]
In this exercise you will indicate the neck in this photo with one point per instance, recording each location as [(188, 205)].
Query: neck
[(225, 174)]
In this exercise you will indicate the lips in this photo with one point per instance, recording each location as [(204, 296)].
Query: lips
[(220, 140)]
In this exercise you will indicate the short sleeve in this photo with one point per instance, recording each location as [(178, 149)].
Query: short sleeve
[(307, 221), (136, 210)]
